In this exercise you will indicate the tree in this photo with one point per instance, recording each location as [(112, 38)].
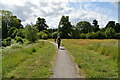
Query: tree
[(100, 35), (111, 24), (8, 20), (84, 27), (31, 33), (12, 32), (95, 26), (65, 27), (117, 27), (110, 32), (41, 24)]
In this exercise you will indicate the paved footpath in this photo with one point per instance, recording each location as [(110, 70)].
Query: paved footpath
[(64, 67)]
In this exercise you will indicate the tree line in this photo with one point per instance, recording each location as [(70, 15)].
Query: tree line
[(12, 29)]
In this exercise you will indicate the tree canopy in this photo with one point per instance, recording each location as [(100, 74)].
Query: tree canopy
[(41, 24), (65, 27)]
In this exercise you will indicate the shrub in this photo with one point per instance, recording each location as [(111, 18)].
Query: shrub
[(18, 40), (109, 33), (90, 35), (83, 36), (6, 42), (100, 35), (54, 35), (117, 36), (31, 33), (44, 36)]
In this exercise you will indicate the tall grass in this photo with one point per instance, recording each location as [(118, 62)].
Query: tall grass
[(33, 60), (97, 58)]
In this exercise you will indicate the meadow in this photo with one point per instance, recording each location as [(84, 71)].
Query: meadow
[(95, 58), (28, 61)]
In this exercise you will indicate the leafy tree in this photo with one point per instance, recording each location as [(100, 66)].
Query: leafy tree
[(6, 42), (15, 22), (95, 26), (111, 24), (100, 35), (31, 33), (65, 27), (20, 33), (84, 27), (76, 33), (54, 35), (41, 24), (117, 27), (110, 32), (83, 36), (8, 20), (117, 36), (91, 35), (18, 40), (12, 32)]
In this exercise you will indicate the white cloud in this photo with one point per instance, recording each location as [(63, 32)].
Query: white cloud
[(52, 10)]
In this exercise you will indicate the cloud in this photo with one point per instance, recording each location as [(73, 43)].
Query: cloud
[(52, 10)]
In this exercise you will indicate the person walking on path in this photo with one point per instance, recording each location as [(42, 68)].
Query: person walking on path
[(58, 41), (55, 40)]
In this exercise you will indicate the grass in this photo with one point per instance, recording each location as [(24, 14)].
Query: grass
[(30, 61), (97, 58)]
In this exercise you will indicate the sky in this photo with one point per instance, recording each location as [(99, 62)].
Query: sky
[(52, 10)]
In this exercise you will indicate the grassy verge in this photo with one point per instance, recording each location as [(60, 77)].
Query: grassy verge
[(30, 61), (97, 58)]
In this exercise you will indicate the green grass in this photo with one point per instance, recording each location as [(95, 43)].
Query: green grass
[(96, 58), (30, 61)]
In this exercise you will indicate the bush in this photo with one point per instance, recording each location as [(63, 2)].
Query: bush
[(31, 33), (18, 40), (83, 36), (6, 42), (90, 35), (109, 33), (117, 36), (100, 35), (54, 35), (44, 36)]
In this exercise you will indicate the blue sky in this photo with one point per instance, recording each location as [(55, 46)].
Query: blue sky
[(29, 10)]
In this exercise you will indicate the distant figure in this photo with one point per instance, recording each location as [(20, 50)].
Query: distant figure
[(58, 41), (55, 40)]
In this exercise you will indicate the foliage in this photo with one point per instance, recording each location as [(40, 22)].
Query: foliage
[(65, 27), (30, 33), (83, 36), (6, 42), (18, 39), (20, 33), (83, 26), (43, 35), (117, 28), (116, 36), (111, 24), (91, 35), (41, 24), (100, 35), (54, 35), (109, 33), (12, 32), (9, 20), (95, 27)]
